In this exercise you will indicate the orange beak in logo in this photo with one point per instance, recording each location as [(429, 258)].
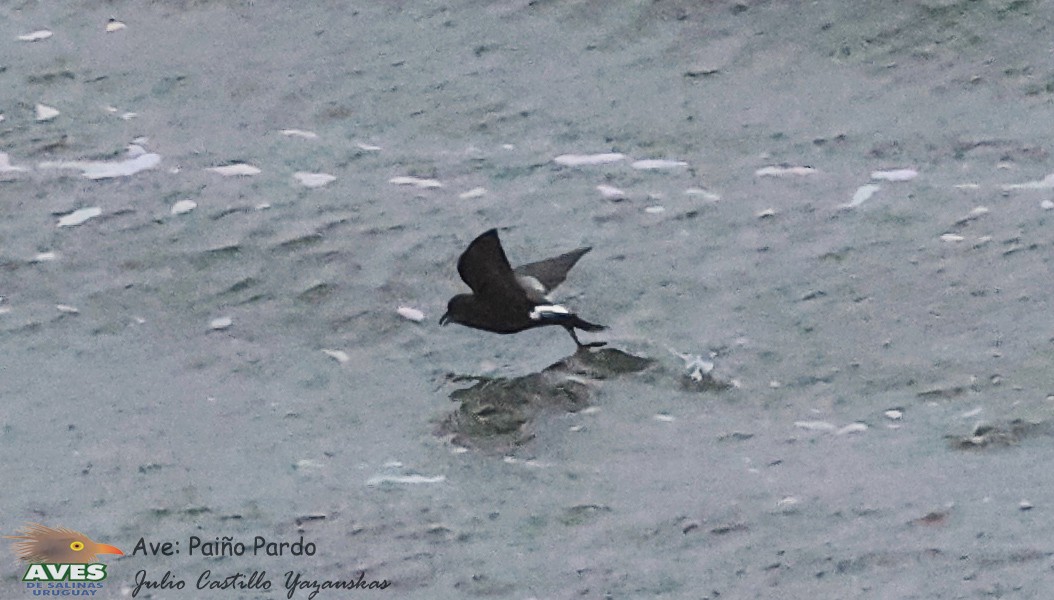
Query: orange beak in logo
[(107, 549), (42, 544)]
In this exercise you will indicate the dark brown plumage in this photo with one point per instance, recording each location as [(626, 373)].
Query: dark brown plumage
[(504, 300)]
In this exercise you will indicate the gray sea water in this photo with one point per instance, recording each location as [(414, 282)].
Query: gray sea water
[(881, 423)]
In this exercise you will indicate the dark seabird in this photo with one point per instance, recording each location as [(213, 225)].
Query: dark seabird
[(504, 300)]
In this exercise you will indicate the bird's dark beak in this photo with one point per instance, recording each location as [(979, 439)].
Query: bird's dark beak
[(444, 319)]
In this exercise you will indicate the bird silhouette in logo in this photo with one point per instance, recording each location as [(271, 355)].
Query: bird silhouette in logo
[(42, 544), (507, 300)]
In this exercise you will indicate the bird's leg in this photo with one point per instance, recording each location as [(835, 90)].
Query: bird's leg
[(574, 337)]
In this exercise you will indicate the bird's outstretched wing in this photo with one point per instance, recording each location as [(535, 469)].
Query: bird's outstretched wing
[(551, 272), (486, 269)]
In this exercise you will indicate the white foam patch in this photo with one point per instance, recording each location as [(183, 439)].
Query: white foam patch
[(816, 425), (337, 355), (411, 314), (234, 170), (410, 479), (704, 194), (108, 169), (778, 171), (417, 182), (6, 166), (183, 207), (658, 164), (36, 36), (895, 175), (313, 180), (1043, 184), (476, 192), (46, 113), (857, 427), (79, 216), (695, 365), (584, 160), (308, 135), (610, 192), (862, 194)]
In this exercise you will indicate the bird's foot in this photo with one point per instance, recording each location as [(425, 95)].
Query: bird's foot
[(578, 343)]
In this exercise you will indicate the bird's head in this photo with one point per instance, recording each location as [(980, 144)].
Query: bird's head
[(457, 309), (41, 544)]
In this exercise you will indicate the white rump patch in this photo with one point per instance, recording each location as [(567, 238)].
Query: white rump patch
[(543, 311)]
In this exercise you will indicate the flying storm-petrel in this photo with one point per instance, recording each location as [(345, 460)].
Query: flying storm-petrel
[(504, 300)]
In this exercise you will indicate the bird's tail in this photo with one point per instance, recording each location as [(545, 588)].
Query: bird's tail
[(580, 323)]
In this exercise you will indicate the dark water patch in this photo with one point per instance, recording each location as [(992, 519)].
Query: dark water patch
[(51, 77), (942, 393), (11, 265), (497, 414), (515, 172), (481, 585), (43, 146), (583, 514), (208, 258), (932, 519), (308, 518), (168, 84), (933, 559), (735, 436), (300, 242), (1041, 87), (253, 299), (998, 149), (335, 224), (603, 364), (987, 436), (240, 286), (182, 513), (31, 327), (233, 210), (317, 293)]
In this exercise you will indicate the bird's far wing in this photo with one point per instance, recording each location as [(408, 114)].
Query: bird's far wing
[(551, 272), (486, 269)]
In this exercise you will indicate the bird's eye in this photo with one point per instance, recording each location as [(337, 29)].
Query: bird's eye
[(77, 546)]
